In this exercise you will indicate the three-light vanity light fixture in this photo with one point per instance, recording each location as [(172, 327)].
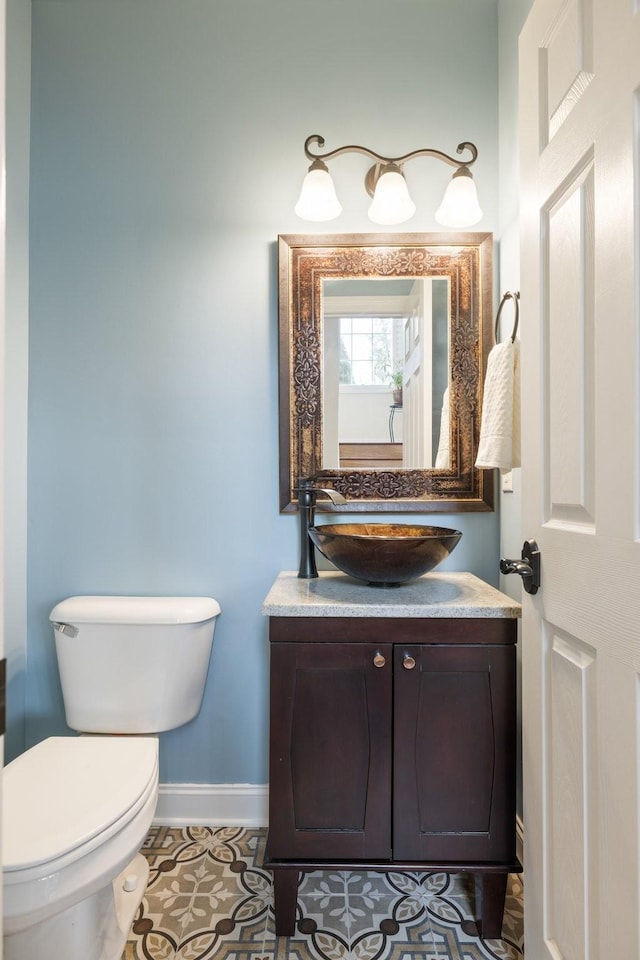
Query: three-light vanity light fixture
[(385, 182)]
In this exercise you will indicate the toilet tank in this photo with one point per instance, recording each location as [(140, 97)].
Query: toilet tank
[(133, 664)]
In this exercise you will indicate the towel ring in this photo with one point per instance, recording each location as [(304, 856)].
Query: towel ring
[(509, 295)]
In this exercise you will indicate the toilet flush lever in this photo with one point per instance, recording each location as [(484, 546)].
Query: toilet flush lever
[(66, 628), (528, 567)]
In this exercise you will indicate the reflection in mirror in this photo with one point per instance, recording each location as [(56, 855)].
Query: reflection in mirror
[(385, 370), (383, 346)]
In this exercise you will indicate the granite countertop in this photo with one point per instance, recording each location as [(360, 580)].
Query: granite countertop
[(333, 594)]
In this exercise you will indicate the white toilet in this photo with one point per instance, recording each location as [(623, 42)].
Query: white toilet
[(76, 810)]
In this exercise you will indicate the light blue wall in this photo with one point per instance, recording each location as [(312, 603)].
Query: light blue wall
[(15, 372), (166, 156)]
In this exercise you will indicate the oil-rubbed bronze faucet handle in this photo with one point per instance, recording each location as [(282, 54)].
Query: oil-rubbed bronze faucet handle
[(307, 495)]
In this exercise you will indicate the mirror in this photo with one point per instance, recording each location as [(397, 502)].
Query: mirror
[(385, 373), (383, 346)]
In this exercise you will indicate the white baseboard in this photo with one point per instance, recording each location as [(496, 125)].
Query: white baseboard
[(233, 805), (520, 839), (213, 804)]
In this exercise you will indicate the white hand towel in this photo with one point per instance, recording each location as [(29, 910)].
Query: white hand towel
[(500, 428), (443, 456)]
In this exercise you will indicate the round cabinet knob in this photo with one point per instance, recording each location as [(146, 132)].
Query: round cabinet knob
[(379, 660), (408, 662)]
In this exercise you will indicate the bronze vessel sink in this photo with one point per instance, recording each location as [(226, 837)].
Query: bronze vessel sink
[(384, 554)]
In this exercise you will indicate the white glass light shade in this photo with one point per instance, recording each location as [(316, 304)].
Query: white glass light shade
[(318, 200), (391, 201), (459, 207)]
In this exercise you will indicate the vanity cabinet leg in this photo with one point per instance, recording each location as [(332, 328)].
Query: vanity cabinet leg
[(285, 899), (493, 890)]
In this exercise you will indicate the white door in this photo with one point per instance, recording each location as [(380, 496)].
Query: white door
[(580, 291), (2, 362)]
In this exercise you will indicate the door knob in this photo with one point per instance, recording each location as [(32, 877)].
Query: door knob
[(379, 660), (408, 662), (528, 567)]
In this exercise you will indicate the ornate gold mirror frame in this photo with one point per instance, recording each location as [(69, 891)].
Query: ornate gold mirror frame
[(305, 261)]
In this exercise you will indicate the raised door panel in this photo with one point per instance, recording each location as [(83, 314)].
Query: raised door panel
[(454, 748), (330, 763), (579, 212)]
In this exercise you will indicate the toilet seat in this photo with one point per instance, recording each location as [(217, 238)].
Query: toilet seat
[(67, 795)]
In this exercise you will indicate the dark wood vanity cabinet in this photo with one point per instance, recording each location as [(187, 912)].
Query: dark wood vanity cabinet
[(392, 745), (454, 759), (330, 767)]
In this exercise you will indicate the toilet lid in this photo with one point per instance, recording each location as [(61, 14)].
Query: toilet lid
[(67, 790), (156, 610)]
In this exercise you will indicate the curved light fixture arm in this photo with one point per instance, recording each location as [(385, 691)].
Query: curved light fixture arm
[(385, 183), (425, 152)]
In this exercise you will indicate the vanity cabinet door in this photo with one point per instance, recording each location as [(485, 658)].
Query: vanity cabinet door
[(454, 753), (330, 753)]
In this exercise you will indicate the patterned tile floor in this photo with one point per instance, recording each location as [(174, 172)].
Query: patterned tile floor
[(209, 896)]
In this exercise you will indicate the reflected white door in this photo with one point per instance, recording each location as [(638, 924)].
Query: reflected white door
[(580, 123), (417, 379)]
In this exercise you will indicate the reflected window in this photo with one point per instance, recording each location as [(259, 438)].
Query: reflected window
[(369, 351)]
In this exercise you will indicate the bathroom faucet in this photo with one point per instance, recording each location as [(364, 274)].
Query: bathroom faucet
[(307, 496)]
